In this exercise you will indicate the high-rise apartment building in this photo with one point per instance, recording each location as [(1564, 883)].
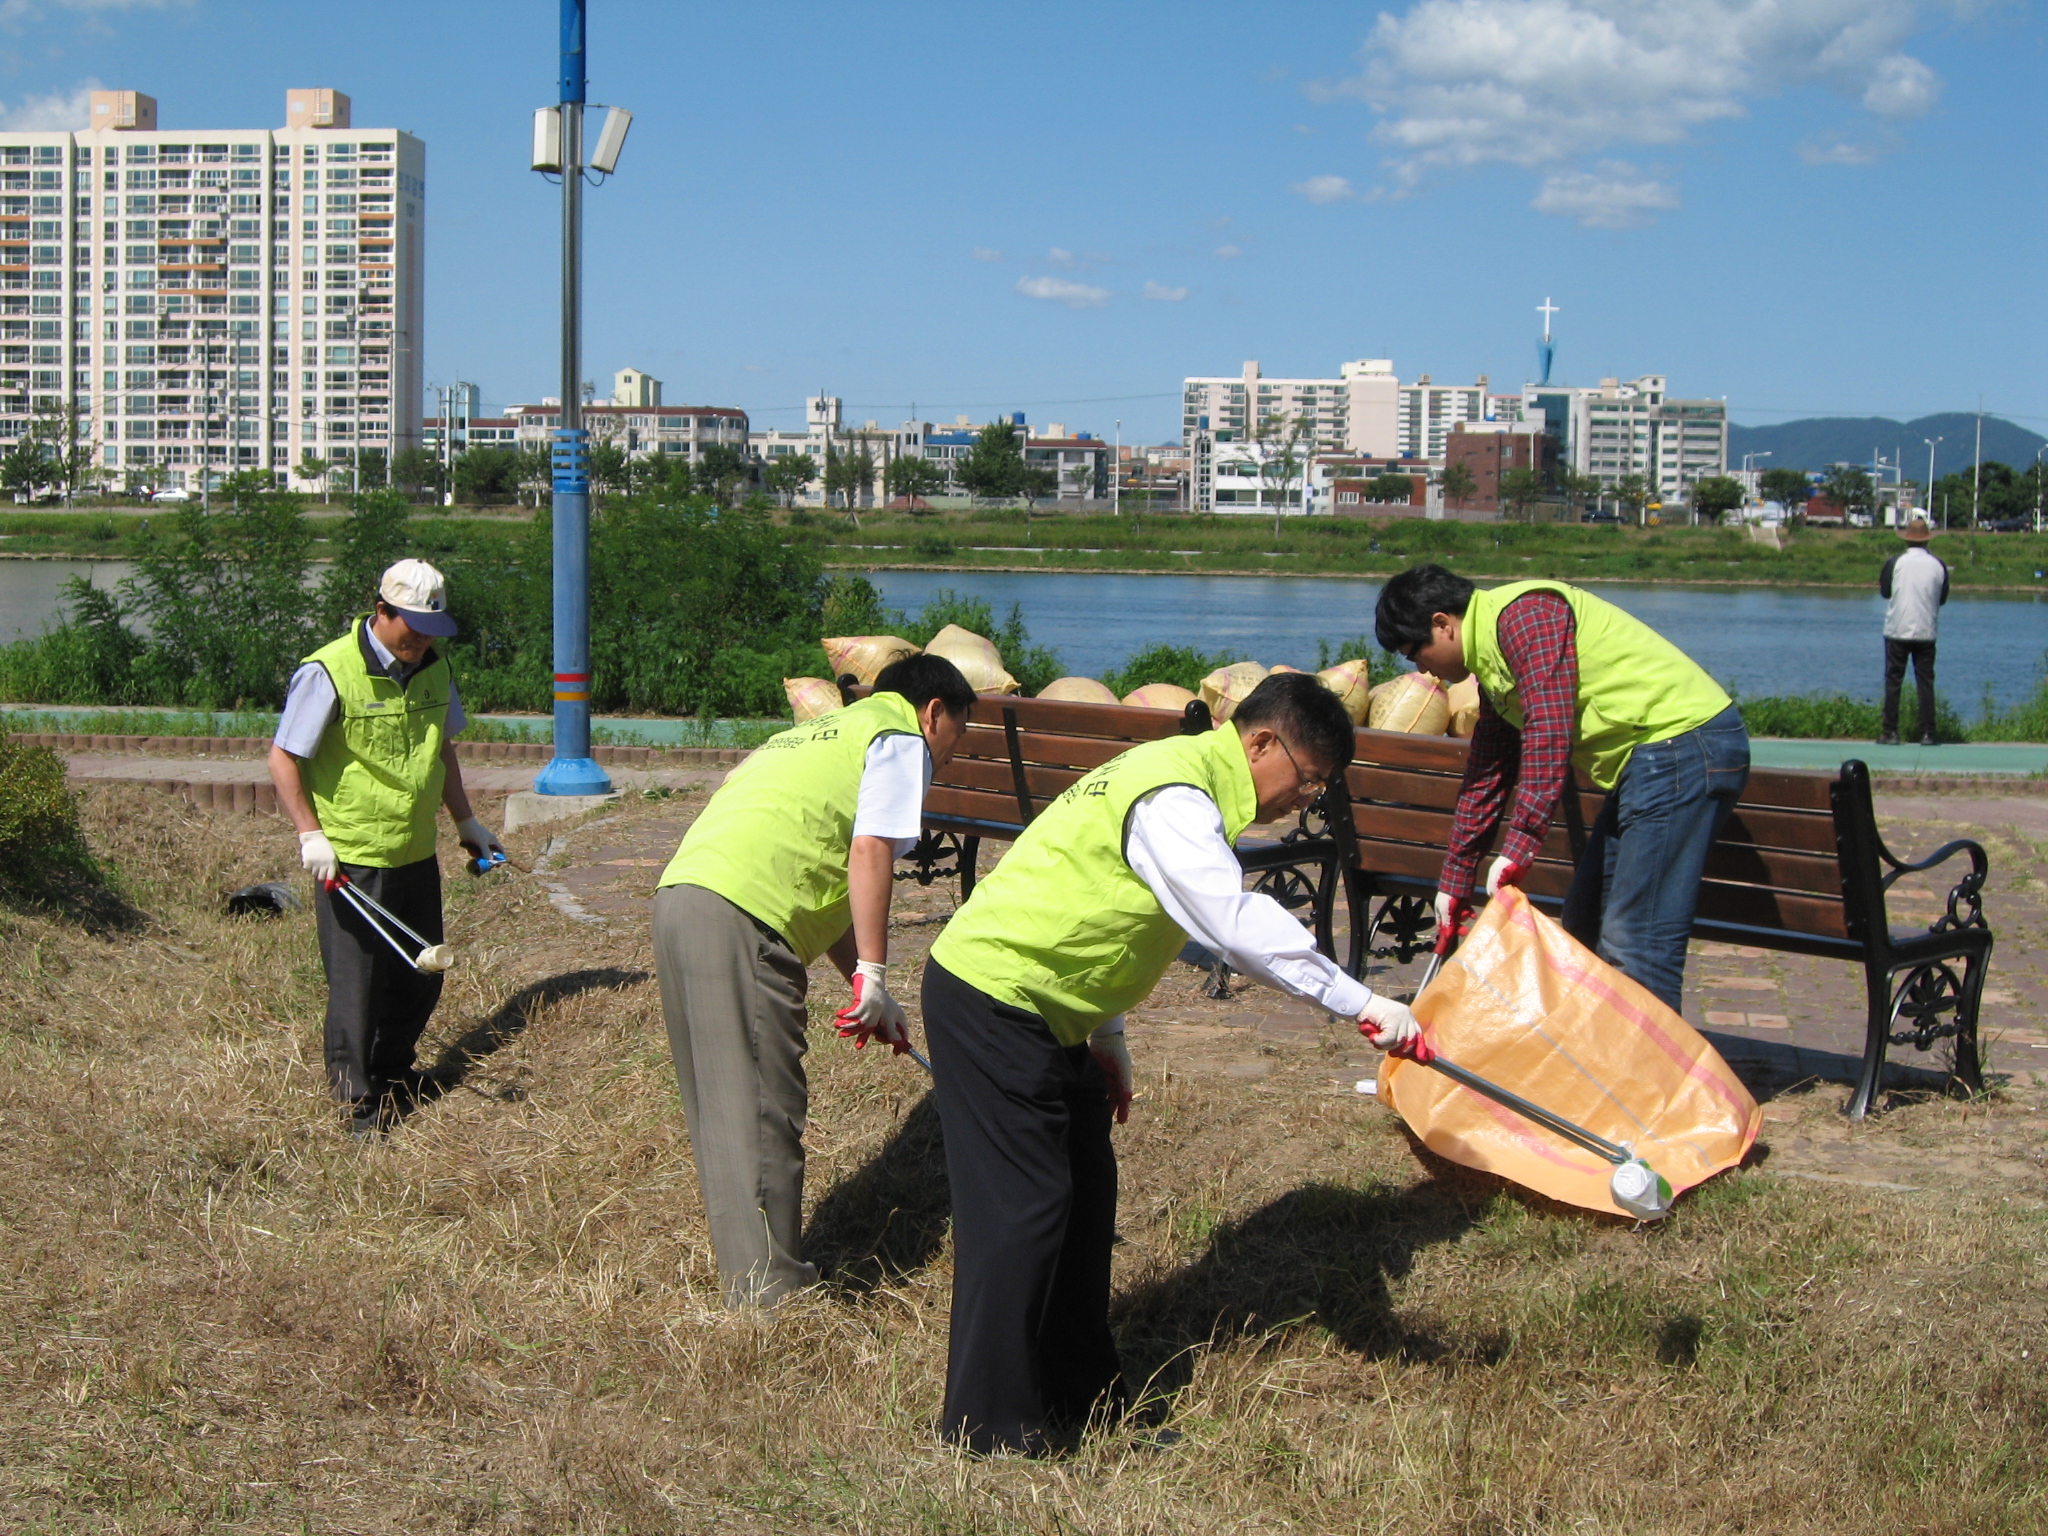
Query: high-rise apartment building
[(213, 299), (1635, 428), (1364, 410)]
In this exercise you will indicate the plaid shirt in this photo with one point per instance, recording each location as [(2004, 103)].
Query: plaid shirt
[(1538, 640)]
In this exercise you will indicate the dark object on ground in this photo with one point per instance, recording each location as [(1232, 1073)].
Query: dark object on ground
[(2012, 525), (1601, 516), (268, 899), (1800, 866)]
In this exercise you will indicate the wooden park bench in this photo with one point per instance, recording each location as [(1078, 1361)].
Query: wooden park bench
[(1800, 867), (1019, 754)]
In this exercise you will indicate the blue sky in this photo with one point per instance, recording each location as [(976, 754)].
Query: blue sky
[(1808, 206)]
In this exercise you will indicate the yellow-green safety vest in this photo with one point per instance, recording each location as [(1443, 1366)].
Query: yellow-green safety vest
[(376, 777), (1635, 687), (1063, 927), (774, 839)]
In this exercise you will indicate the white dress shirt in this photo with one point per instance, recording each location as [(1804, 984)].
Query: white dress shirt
[(1177, 848), (892, 784)]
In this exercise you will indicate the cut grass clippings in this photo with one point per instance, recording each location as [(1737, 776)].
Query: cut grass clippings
[(220, 1314)]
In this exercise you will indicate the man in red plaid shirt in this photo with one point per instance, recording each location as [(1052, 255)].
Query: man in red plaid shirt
[(1569, 680)]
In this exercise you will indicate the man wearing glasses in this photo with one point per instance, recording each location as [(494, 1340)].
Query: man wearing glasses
[(1567, 680), (1024, 1000)]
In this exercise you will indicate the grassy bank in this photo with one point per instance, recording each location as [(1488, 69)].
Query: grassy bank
[(689, 732), (124, 533), (222, 1315), (1331, 546)]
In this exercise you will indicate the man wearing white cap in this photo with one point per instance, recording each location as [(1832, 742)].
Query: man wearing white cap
[(363, 759)]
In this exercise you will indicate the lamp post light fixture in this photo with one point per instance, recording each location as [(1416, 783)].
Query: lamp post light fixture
[(558, 147)]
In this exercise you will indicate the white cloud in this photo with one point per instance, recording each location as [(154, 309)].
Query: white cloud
[(1060, 258), (1838, 149), (1059, 290), (1163, 293), (1615, 195), (1540, 83), (55, 113), (984, 253), (1902, 87), (1226, 252), (1326, 189)]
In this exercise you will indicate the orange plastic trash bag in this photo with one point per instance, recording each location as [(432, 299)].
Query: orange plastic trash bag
[(1524, 1004)]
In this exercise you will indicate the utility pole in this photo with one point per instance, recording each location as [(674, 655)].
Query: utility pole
[(1116, 474), (573, 771), (1977, 476), (1930, 442)]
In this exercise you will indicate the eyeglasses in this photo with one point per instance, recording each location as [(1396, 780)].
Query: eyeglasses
[(1305, 783)]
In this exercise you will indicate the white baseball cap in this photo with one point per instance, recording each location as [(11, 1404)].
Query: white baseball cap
[(420, 593)]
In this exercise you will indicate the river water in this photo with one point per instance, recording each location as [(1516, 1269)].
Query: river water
[(1762, 640)]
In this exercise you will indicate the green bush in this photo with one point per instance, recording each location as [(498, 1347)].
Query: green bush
[(38, 815), (1178, 664), (1837, 717)]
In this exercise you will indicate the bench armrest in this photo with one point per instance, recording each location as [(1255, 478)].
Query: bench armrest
[(1965, 898)]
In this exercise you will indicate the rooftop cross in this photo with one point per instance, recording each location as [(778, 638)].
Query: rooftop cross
[(1546, 309)]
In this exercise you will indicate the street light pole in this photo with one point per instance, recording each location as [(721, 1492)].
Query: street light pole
[(572, 771), (1930, 442), (1116, 474)]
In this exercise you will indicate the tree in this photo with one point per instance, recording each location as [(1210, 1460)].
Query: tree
[(721, 471), (485, 475), (911, 477), (1458, 484), (24, 468), (1714, 496), (68, 448), (533, 469), (1519, 491), (415, 470), (1082, 478), (1390, 487), (994, 466), (313, 467), (370, 469), (1789, 488), (608, 467), (787, 477), (840, 480), (1281, 439), (1850, 487), (1634, 492), (1576, 487), (1038, 482)]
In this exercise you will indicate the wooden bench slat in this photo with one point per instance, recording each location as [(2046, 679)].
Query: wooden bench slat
[(1761, 907), (1079, 752), (979, 805)]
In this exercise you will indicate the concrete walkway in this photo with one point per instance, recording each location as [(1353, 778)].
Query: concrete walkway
[(1970, 758)]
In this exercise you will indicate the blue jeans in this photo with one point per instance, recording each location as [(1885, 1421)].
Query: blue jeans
[(1636, 888)]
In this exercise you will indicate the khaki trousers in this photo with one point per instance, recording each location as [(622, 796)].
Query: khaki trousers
[(732, 993)]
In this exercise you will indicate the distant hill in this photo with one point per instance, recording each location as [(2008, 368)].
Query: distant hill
[(1819, 441)]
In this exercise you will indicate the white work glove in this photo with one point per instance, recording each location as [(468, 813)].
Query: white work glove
[(1448, 910), (1389, 1025), (478, 838), (317, 855), (1114, 1057), (1499, 873), (874, 1014)]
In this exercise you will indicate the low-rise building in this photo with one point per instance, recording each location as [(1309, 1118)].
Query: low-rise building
[(1490, 450)]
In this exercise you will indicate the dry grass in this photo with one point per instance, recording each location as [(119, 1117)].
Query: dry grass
[(221, 1315)]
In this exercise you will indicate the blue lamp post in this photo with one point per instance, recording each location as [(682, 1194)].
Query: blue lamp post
[(558, 146)]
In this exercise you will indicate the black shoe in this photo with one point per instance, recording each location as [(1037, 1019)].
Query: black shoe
[(1888, 739), (368, 1117)]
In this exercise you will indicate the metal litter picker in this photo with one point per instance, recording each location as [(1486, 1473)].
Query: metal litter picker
[(430, 958)]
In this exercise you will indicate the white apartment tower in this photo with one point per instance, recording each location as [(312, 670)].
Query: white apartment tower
[(1366, 409), (213, 300)]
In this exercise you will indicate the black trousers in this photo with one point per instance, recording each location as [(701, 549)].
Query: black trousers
[(1033, 1177), (1896, 653), (377, 1004)]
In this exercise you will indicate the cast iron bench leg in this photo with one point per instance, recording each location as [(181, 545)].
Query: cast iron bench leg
[(1969, 1069), (1877, 988), (970, 850)]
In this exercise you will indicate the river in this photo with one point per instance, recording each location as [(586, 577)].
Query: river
[(1762, 640)]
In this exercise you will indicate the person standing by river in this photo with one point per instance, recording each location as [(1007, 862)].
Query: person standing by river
[(1915, 584), (1567, 680)]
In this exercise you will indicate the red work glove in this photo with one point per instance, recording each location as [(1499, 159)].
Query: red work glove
[(1500, 872), (874, 1014)]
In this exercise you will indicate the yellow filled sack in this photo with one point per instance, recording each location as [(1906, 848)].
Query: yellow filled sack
[(864, 655), (1351, 681), (1227, 687), (1160, 696), (1525, 1005), (1078, 690), (1463, 699), (1411, 701), (810, 697), (977, 658)]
